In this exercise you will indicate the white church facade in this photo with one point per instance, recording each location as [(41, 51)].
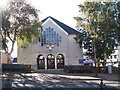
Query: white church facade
[(55, 49)]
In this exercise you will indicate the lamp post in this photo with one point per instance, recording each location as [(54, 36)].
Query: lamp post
[(94, 49), (50, 47)]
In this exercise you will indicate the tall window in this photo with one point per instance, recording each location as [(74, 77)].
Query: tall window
[(50, 37)]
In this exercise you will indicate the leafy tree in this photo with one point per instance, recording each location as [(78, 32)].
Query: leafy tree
[(99, 21), (19, 23), (118, 21)]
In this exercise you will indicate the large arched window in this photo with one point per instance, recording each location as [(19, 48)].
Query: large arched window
[(40, 62), (50, 37), (50, 61), (60, 61)]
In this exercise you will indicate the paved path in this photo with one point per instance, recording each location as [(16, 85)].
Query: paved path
[(110, 77), (54, 80), (40, 80)]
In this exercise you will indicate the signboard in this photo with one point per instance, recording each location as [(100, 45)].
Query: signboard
[(86, 61)]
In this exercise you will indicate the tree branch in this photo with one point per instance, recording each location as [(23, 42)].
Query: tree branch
[(13, 42), (8, 34)]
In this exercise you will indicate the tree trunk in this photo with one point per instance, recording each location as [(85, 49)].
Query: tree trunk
[(105, 59), (8, 58), (8, 54)]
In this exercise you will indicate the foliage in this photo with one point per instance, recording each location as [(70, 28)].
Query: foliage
[(19, 22), (118, 21), (99, 22)]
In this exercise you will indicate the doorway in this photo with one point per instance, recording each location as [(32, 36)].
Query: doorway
[(50, 61), (60, 61), (40, 62)]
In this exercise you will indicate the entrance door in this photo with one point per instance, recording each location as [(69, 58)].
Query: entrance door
[(60, 61), (50, 61), (40, 62)]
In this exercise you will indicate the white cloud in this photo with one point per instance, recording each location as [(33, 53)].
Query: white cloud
[(63, 10), (3, 3)]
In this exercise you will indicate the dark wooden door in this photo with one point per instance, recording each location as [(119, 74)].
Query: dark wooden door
[(41, 64), (60, 63), (50, 64)]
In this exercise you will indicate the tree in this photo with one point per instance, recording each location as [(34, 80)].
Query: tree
[(19, 23), (118, 21), (99, 21)]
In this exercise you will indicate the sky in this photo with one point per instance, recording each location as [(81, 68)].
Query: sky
[(62, 10)]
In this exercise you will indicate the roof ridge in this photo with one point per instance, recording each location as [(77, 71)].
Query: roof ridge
[(67, 28)]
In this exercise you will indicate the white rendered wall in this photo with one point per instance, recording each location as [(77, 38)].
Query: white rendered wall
[(68, 47), (75, 52), (63, 47)]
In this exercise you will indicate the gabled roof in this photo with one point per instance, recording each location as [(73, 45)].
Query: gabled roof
[(65, 27)]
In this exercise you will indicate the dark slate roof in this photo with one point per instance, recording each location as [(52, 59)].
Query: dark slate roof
[(68, 29)]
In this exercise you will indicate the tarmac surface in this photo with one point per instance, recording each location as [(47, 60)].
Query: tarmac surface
[(57, 79)]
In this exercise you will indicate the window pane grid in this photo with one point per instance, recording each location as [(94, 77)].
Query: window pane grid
[(50, 37)]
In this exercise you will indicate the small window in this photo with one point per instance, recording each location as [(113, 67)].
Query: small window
[(15, 60), (39, 39), (115, 56), (41, 44), (111, 57)]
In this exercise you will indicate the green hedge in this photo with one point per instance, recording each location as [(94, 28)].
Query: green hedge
[(88, 69), (16, 67), (83, 69)]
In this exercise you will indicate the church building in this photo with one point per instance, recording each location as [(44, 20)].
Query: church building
[(55, 49)]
